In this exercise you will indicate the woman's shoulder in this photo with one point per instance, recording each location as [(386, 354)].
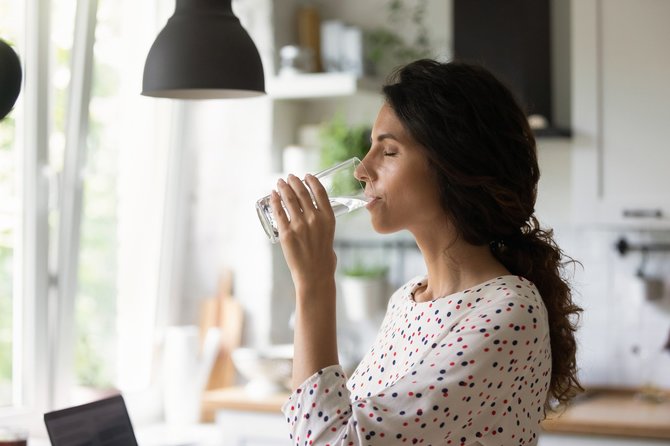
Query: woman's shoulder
[(507, 288), (512, 296), (513, 287)]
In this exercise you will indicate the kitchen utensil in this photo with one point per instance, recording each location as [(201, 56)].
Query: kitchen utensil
[(227, 314)]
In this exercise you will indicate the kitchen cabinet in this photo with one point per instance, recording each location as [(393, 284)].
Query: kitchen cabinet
[(621, 112), (238, 417), (241, 428)]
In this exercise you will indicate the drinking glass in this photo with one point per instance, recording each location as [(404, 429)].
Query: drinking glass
[(345, 192)]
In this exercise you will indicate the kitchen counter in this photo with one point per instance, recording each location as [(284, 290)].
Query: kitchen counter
[(614, 412), (235, 398), (245, 420)]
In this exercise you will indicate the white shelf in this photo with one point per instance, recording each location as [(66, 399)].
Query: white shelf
[(321, 85)]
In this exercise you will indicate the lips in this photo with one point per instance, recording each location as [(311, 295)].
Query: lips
[(370, 195), (372, 201)]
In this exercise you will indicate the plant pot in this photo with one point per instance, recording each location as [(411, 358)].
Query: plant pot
[(364, 297)]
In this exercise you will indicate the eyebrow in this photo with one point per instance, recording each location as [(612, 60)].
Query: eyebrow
[(384, 136)]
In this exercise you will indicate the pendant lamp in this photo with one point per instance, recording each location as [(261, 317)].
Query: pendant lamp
[(10, 78), (203, 53)]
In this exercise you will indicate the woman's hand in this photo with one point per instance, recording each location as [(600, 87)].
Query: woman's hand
[(307, 242), (307, 238)]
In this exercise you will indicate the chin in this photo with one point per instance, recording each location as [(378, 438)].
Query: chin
[(380, 228)]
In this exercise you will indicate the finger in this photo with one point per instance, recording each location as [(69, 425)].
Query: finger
[(290, 199), (278, 212), (303, 194), (319, 192)]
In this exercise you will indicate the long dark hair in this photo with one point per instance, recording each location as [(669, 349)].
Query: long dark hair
[(480, 145)]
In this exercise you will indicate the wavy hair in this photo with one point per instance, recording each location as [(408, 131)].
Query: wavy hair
[(480, 145)]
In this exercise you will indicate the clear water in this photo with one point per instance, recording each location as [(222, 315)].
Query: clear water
[(341, 205), (344, 205)]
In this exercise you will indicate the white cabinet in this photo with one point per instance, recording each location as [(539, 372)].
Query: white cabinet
[(621, 112), (246, 428)]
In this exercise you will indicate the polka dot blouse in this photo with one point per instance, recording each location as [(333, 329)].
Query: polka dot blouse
[(471, 368)]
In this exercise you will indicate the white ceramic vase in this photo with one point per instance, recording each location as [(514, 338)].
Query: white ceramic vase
[(364, 297), (185, 371)]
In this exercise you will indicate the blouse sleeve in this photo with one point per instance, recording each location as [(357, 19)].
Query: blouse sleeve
[(466, 387)]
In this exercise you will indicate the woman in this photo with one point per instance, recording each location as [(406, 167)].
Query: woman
[(474, 352)]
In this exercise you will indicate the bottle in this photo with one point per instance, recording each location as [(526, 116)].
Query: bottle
[(309, 30)]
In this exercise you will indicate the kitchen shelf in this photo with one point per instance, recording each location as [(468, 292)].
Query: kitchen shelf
[(321, 85), (552, 132)]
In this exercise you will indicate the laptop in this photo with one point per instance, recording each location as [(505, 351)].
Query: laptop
[(100, 423)]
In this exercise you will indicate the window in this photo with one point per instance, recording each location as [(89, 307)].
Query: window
[(122, 205), (106, 154), (10, 220)]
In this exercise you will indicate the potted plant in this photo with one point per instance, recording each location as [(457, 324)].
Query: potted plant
[(341, 141), (364, 290)]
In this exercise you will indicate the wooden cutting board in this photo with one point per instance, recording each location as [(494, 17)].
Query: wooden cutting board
[(226, 313)]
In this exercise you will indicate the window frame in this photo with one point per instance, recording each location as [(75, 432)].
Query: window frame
[(46, 284), (70, 206), (32, 330)]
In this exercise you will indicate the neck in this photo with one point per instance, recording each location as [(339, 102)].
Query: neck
[(454, 265)]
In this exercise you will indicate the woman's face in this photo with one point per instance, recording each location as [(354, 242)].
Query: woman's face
[(406, 194)]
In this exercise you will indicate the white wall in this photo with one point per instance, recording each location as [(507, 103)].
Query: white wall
[(622, 333), (232, 154)]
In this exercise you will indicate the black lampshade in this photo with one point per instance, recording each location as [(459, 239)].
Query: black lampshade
[(203, 53), (10, 78)]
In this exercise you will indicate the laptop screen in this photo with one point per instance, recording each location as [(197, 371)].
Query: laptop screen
[(100, 423)]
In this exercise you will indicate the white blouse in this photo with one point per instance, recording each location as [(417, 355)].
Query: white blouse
[(465, 369)]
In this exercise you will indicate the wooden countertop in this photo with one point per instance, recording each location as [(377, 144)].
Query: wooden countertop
[(615, 412), (235, 398), (601, 411)]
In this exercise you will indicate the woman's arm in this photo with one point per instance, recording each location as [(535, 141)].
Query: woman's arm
[(314, 341), (306, 235)]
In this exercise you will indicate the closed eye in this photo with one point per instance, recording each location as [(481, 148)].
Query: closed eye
[(386, 153)]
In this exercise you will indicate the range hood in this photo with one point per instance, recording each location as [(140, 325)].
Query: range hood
[(519, 41)]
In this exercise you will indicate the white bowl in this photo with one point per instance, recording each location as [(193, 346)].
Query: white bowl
[(267, 369)]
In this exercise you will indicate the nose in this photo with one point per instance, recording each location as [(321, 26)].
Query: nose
[(361, 173)]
